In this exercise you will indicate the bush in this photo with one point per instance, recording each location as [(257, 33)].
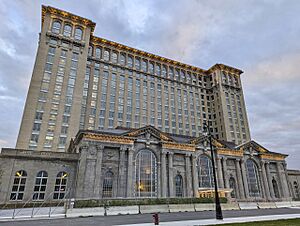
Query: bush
[(149, 201)]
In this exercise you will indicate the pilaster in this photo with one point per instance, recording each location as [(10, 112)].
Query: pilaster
[(195, 175), (171, 174), (130, 172), (98, 175), (240, 179), (189, 189)]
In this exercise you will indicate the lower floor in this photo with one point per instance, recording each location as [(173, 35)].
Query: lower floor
[(145, 163)]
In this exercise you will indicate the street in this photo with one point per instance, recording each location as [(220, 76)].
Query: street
[(147, 218)]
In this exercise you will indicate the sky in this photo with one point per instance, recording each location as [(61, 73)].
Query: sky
[(261, 37)]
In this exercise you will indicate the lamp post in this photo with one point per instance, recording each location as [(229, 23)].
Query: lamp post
[(219, 215)]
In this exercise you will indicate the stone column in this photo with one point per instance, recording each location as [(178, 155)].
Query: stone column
[(282, 180), (265, 180), (220, 173), (171, 174), (269, 178), (225, 176), (189, 189), (240, 183), (81, 172), (244, 174), (164, 183), (121, 178), (195, 175), (261, 183), (97, 186), (130, 172)]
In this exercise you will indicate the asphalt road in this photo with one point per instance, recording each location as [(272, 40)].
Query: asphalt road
[(147, 218)]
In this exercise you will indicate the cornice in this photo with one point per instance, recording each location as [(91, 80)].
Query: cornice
[(271, 156), (177, 146), (67, 15), (98, 41), (109, 138), (230, 152)]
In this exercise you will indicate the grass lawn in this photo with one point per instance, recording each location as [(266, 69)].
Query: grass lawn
[(289, 222)]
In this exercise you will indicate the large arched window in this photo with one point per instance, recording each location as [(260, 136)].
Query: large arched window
[(108, 185), (40, 185), (60, 185), (56, 25), (205, 172), (145, 174), (178, 186), (296, 188), (18, 187), (252, 177), (232, 185), (275, 188), (78, 34), (67, 30)]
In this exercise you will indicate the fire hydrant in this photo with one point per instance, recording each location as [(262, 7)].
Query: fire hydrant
[(155, 219)]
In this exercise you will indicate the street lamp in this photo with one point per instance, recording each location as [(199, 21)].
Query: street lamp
[(219, 215)]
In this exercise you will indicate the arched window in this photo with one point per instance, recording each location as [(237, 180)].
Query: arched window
[(144, 65), (182, 76), (18, 187), (40, 185), (90, 52), (56, 27), (78, 34), (296, 188), (106, 55), (205, 172), (114, 57), (164, 71), (98, 53), (145, 174), (178, 186), (252, 177), (60, 185), (171, 73), (151, 67), (122, 59), (275, 188), (130, 61), (137, 63), (176, 74), (108, 185), (157, 70), (67, 30), (232, 185)]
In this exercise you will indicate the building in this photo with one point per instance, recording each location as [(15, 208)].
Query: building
[(104, 120), (81, 81)]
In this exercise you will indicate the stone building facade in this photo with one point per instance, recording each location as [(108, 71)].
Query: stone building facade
[(146, 163), (105, 120), (81, 81)]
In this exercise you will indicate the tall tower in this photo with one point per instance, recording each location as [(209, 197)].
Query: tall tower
[(229, 111), (53, 104)]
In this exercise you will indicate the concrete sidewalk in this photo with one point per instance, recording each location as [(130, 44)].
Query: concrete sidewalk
[(225, 221)]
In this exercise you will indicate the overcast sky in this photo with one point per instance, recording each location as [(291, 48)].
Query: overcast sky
[(260, 37)]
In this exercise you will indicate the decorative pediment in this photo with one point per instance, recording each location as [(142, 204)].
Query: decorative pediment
[(253, 147), (148, 133), (205, 141)]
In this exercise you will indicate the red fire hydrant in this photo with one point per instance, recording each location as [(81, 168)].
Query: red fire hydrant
[(155, 219)]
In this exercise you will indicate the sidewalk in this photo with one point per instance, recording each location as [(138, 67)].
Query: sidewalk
[(225, 221)]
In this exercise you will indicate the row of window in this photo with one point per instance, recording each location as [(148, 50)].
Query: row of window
[(67, 31), (146, 66), (39, 190)]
